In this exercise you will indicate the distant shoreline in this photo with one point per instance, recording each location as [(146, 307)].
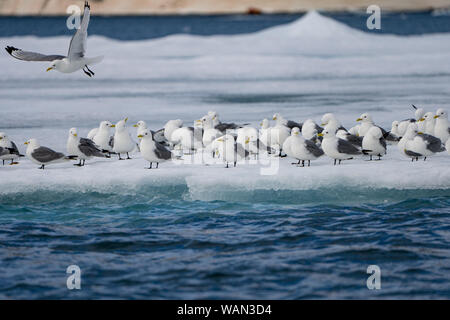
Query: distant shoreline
[(212, 7)]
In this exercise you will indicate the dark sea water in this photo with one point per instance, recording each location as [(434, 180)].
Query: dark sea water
[(158, 243)]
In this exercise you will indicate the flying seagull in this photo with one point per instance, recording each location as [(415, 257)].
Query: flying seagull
[(75, 59)]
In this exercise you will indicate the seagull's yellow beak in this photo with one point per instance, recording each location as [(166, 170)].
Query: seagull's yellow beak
[(27, 142), (140, 136), (75, 134), (247, 140), (113, 126), (126, 119), (436, 116), (1, 138), (215, 117), (48, 69), (220, 140), (359, 119), (420, 132), (274, 118), (198, 121), (261, 124), (323, 124), (135, 125), (320, 134), (421, 119), (296, 133)]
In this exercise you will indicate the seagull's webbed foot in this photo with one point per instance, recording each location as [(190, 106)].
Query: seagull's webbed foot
[(87, 73), (92, 72), (42, 167)]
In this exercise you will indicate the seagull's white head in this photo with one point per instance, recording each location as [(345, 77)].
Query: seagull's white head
[(327, 117), (141, 125), (3, 137), (419, 113), (73, 132), (375, 132), (146, 134), (395, 125), (54, 65), (295, 131), (32, 143), (441, 114), (213, 115), (122, 124), (412, 131), (428, 117), (365, 117), (106, 125), (326, 133), (265, 124)]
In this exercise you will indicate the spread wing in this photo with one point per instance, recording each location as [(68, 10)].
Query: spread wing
[(77, 46), (44, 154), (31, 56)]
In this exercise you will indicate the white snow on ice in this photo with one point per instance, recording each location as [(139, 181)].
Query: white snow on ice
[(309, 67)]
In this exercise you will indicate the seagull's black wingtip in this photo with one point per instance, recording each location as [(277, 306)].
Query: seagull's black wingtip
[(10, 49), (414, 107)]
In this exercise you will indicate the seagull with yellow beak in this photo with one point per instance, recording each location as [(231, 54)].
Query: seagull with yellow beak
[(123, 143), (231, 151), (83, 148)]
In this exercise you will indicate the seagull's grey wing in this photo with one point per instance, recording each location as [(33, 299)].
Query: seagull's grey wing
[(292, 124), (433, 144), (158, 136), (77, 46), (2, 152), (383, 142), (346, 147), (355, 140), (14, 149), (222, 127), (88, 148), (412, 153), (111, 141), (313, 148), (240, 150), (44, 154), (31, 56), (161, 152)]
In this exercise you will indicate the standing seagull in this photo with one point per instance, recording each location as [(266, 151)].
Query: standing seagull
[(75, 59), (373, 143), (151, 150), (10, 151), (83, 148), (441, 129), (44, 155), (122, 140), (337, 149)]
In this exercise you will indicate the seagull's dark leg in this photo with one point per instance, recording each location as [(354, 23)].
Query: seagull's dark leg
[(412, 159), (151, 163), (157, 164), (128, 156), (334, 161), (370, 158), (87, 73), (425, 159), (42, 167), (120, 157), (339, 161), (78, 164), (92, 72), (3, 162), (309, 163), (227, 165)]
